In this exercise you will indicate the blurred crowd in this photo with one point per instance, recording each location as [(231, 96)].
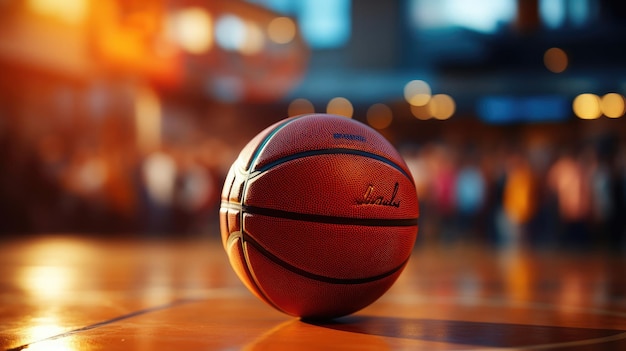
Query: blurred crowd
[(57, 186), (547, 194), (544, 195)]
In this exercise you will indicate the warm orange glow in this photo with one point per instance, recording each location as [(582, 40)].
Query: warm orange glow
[(68, 11), (254, 39), (379, 116), (48, 282), (587, 106), (159, 174), (192, 29), (340, 106), (441, 106), (518, 275), (567, 180), (281, 30), (44, 330), (53, 277), (300, 107), (421, 112), (518, 199), (612, 105), (148, 119), (555, 60), (134, 39), (417, 92)]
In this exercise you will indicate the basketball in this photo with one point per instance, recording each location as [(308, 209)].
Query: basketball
[(319, 215)]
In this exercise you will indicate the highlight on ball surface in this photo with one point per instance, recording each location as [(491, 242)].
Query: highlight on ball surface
[(319, 215)]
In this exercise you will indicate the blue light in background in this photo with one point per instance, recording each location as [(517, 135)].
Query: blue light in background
[(552, 12), (325, 24), (560, 13), (509, 109), (482, 15), (485, 16)]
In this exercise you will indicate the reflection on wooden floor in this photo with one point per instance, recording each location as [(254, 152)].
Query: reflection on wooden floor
[(76, 293)]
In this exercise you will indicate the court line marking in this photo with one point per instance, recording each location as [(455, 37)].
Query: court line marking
[(104, 323), (228, 292), (212, 293)]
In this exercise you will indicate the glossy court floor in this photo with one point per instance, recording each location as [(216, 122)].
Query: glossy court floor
[(70, 292)]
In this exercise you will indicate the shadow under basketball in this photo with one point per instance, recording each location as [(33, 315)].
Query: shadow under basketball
[(477, 333)]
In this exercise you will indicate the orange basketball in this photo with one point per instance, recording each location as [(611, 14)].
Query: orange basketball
[(319, 215)]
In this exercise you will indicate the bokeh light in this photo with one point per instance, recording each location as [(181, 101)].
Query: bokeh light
[(192, 30), (44, 331), (48, 282), (379, 116), (612, 105), (230, 32), (587, 106), (281, 30), (254, 39), (421, 112), (68, 11), (441, 106), (299, 107), (234, 34), (340, 106), (556, 60), (417, 92), (148, 118)]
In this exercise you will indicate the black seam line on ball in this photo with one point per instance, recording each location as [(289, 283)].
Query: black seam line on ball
[(248, 269), (266, 140), (321, 278), (306, 217), (334, 151)]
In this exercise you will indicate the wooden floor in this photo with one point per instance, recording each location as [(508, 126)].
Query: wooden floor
[(62, 293)]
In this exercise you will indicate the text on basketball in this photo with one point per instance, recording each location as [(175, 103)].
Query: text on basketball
[(349, 137), (371, 198)]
